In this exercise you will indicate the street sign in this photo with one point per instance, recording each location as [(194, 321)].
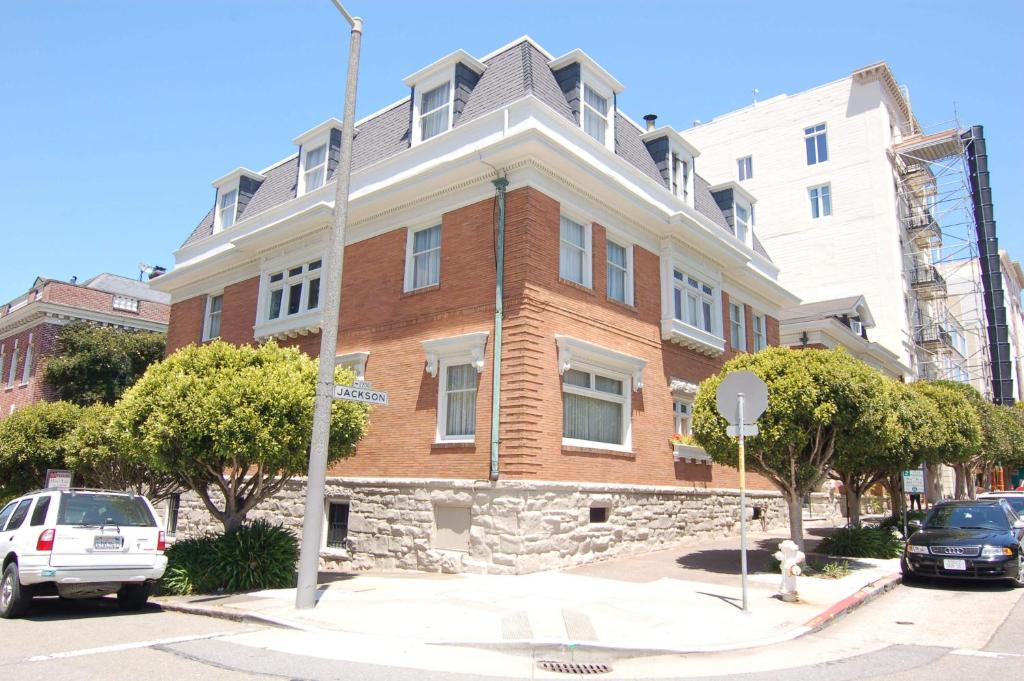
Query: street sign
[(747, 430), (755, 396), (360, 391), (58, 479), (913, 481)]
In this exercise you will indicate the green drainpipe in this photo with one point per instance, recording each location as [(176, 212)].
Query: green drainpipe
[(501, 184)]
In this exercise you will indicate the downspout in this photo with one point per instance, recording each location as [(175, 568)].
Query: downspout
[(501, 184)]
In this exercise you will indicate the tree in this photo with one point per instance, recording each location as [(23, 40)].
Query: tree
[(102, 456), (959, 425), (816, 398), (33, 439), (233, 423), (95, 364)]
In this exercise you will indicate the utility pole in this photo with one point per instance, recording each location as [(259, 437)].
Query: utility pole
[(312, 522)]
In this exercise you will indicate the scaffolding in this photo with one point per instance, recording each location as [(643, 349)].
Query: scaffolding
[(944, 292)]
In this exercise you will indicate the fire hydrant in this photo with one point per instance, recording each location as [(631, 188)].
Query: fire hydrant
[(790, 557)]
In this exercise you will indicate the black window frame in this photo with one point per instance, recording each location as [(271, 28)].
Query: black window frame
[(337, 528)]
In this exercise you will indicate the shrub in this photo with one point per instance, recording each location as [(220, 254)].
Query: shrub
[(895, 522), (862, 542), (257, 555), (836, 569)]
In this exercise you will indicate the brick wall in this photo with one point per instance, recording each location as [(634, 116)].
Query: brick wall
[(100, 301), (377, 317), (24, 393)]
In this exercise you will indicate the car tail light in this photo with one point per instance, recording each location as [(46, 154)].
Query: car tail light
[(161, 541), (45, 541)]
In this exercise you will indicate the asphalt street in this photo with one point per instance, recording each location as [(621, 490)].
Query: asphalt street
[(930, 631)]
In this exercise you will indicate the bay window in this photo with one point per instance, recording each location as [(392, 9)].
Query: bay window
[(293, 291), (693, 301)]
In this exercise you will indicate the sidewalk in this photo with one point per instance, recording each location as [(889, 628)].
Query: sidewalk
[(680, 600)]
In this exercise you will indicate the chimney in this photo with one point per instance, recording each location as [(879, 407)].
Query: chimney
[(157, 271), (650, 118), (74, 280)]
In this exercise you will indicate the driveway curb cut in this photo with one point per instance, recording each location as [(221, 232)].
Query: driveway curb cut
[(233, 616)]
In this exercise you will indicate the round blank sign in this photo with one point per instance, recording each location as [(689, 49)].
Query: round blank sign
[(755, 396)]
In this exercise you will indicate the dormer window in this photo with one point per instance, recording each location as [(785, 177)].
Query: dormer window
[(743, 221), (228, 205), (680, 177), (674, 157), (595, 114), (435, 111), (316, 167)]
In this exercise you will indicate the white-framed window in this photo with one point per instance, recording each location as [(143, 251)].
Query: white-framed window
[(315, 168), (435, 111), (620, 272), (14, 366), (856, 325), (680, 177), (423, 258), (594, 407), (743, 217), (211, 325), (3, 356), (173, 511), (354, 362), (821, 201), (745, 167), (737, 327), (125, 303), (596, 112), (226, 208), (682, 413), (293, 290), (27, 370), (693, 301), (760, 340), (574, 251), (456, 402), (816, 144)]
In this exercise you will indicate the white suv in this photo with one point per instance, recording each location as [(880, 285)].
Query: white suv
[(79, 544)]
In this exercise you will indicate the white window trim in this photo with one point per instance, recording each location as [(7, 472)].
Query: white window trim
[(441, 353), (3, 358), (745, 168), (423, 87), (206, 315), (742, 346), (820, 203), (748, 236), (308, 321), (754, 317), (588, 241), (322, 141), (26, 370), (671, 258), (609, 118), (815, 135), (678, 419), (625, 399), (410, 239), (684, 189), (218, 224), (355, 361), (324, 548), (628, 285), (13, 370)]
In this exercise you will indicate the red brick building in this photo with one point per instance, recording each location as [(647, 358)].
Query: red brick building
[(627, 281), (29, 325)]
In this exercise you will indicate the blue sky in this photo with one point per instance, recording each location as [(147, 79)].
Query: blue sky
[(117, 114)]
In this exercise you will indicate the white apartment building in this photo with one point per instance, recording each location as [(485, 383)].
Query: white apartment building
[(828, 204)]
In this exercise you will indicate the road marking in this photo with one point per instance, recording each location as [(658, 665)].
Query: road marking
[(982, 653), (127, 646)]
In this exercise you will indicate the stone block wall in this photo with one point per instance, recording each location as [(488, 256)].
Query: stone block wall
[(516, 527)]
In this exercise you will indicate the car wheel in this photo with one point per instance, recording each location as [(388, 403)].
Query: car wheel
[(1018, 581), (908, 576), (132, 597), (14, 598)]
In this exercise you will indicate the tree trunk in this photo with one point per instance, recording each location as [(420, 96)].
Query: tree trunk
[(232, 521), (961, 483), (894, 483), (852, 505), (933, 483), (795, 503)]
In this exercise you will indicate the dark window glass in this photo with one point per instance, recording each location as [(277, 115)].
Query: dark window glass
[(295, 271), (598, 514), (294, 298), (337, 525), (19, 515), (313, 301), (6, 513), (173, 505), (39, 512), (275, 304), (967, 517), (100, 509)]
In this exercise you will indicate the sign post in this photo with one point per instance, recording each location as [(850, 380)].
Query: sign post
[(913, 483), (58, 479), (741, 398)]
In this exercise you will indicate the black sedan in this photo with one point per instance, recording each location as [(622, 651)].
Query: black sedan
[(978, 539)]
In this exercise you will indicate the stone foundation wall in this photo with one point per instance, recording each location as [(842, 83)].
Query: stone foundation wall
[(516, 527)]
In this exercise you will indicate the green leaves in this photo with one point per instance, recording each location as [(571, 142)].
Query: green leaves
[(33, 439)]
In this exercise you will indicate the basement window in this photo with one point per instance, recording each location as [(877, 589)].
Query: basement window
[(598, 514), (337, 524)]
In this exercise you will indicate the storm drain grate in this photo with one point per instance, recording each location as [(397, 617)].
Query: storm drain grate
[(573, 667)]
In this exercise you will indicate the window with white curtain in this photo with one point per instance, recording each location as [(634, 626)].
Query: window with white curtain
[(759, 332), (573, 260), (435, 110), (457, 406), (293, 290), (228, 204), (595, 114), (694, 301), (27, 371), (742, 221), (680, 177), (594, 407), (315, 168), (682, 411), (2, 358), (423, 258), (620, 279), (211, 329), (737, 332), (14, 366)]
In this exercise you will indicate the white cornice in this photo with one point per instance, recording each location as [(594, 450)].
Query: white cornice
[(831, 333), (572, 350), (38, 312), (736, 187), (459, 56), (317, 131), (585, 60), (470, 344), (235, 174), (673, 136)]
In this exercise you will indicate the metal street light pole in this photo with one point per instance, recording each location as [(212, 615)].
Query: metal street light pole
[(312, 522)]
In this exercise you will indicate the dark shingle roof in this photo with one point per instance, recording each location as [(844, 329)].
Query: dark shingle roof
[(514, 73), (629, 146), (383, 136), (705, 203)]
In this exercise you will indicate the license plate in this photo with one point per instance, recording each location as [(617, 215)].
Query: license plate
[(108, 543), (954, 564)]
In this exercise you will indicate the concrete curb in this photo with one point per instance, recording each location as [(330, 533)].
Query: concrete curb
[(823, 619)]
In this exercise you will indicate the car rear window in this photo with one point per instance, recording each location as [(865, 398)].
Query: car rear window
[(104, 509)]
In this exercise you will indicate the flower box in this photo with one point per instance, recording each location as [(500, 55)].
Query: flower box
[(691, 453)]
